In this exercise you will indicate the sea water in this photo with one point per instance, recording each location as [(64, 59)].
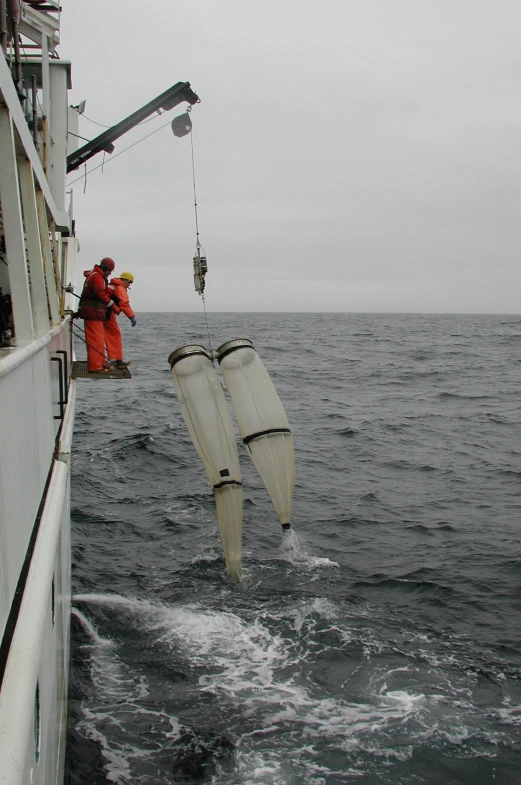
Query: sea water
[(379, 642)]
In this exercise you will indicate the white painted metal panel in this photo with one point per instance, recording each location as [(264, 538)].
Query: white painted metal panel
[(10, 98), (13, 231), (30, 390), (73, 128), (48, 260), (34, 249), (40, 648), (30, 657), (70, 254), (36, 25), (58, 131), (29, 393)]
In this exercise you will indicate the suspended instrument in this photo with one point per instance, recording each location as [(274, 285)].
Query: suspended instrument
[(262, 421), (210, 426), (260, 415)]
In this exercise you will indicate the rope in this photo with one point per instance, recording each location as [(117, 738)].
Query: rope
[(78, 137), (113, 157), (159, 112), (94, 121), (198, 245)]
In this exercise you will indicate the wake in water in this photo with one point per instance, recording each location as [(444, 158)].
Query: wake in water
[(277, 696)]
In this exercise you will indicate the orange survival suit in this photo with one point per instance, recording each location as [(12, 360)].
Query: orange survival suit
[(118, 292), (94, 301)]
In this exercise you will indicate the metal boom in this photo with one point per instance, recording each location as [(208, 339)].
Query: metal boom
[(167, 100)]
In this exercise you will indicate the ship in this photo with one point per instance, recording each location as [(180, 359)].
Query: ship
[(38, 250), (38, 378)]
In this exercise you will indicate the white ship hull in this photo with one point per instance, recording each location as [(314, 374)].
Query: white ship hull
[(37, 401), (35, 562)]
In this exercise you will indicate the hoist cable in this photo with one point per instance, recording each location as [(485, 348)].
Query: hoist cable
[(113, 157), (198, 245)]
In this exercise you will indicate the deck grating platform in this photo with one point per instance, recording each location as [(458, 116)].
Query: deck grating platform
[(79, 371)]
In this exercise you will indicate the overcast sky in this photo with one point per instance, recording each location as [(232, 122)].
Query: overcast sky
[(351, 155)]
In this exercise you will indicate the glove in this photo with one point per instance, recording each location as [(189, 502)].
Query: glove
[(133, 321)]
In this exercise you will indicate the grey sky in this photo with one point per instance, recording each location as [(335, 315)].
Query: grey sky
[(350, 156)]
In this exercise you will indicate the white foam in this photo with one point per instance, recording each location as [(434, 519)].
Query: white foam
[(254, 768), (139, 607), (252, 665), (404, 700), (511, 715), (90, 629), (319, 606), (117, 695), (244, 660), (117, 765), (294, 550), (208, 556)]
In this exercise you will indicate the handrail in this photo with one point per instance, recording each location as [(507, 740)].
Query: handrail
[(20, 355), (66, 374), (61, 402)]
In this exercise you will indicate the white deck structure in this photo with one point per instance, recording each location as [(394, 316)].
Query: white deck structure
[(37, 257)]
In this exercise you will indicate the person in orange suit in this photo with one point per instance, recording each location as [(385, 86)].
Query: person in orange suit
[(118, 289), (95, 299)]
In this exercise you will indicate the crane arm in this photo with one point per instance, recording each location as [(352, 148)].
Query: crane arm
[(167, 100)]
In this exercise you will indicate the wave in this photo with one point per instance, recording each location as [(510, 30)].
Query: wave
[(357, 652), (428, 590), (460, 396), (347, 432)]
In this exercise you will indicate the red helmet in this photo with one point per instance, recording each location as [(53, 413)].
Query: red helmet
[(108, 263)]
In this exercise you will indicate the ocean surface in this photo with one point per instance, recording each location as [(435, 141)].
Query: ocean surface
[(383, 645)]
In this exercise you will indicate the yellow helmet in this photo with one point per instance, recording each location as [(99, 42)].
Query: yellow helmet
[(127, 277)]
